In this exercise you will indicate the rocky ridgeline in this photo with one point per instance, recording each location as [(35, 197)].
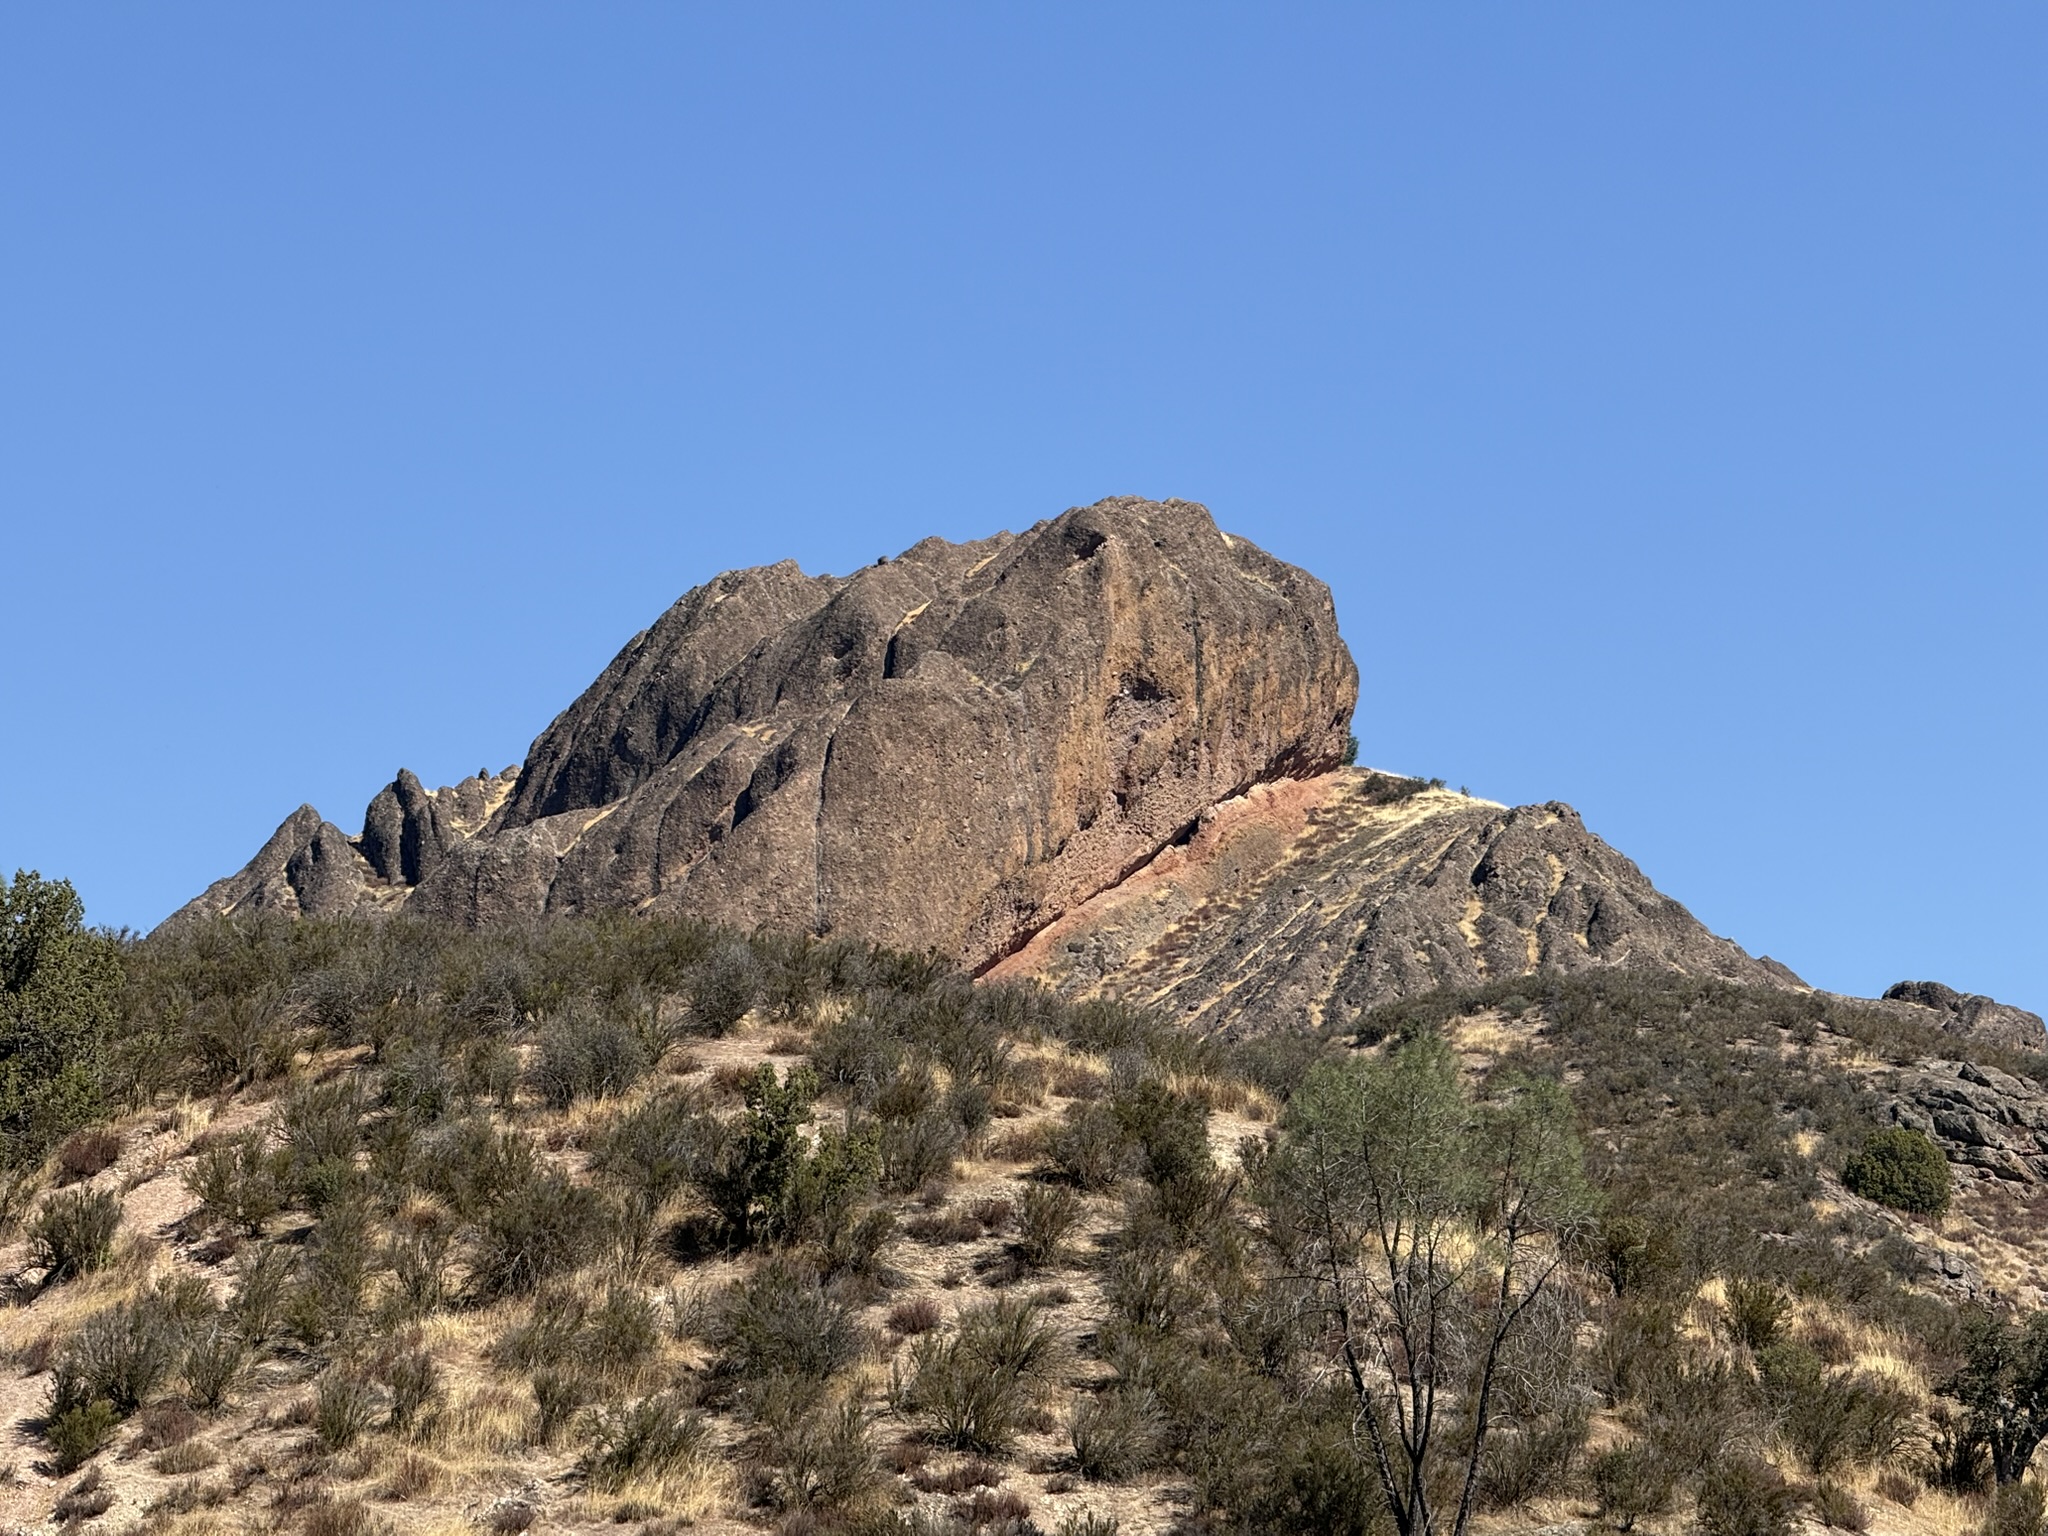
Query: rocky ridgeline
[(1103, 752)]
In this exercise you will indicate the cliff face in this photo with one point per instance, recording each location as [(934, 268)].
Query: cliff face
[(946, 750)]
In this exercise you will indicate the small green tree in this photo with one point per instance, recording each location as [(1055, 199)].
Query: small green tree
[(748, 1173), (60, 987), (2003, 1390), (1429, 1227), (1903, 1169)]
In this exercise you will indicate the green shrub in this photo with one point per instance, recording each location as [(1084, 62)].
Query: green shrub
[(1046, 1218), (73, 1233), (748, 1168), (1901, 1168), (76, 1433), (655, 1435), (781, 1322), (976, 1384), (546, 1227), (585, 1054), (1631, 1480), (60, 986), (241, 1182), (1743, 1495), (344, 1407)]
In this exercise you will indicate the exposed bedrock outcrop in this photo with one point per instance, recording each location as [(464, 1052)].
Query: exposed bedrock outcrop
[(1970, 1013), (947, 750), (1313, 903)]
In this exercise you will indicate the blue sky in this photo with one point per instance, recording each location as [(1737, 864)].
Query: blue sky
[(1661, 391)]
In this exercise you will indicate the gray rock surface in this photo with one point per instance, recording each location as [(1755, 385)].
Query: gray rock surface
[(1970, 1013), (942, 751), (1984, 1119), (1282, 915)]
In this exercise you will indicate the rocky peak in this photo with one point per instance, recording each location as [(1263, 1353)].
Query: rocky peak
[(945, 750)]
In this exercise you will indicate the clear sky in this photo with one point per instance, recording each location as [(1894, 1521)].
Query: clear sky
[(1663, 391)]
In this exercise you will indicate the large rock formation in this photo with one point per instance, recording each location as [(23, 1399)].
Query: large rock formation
[(946, 750), (1312, 903), (1970, 1013), (1103, 753)]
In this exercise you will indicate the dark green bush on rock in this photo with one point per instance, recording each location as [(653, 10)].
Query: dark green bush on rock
[(1903, 1169)]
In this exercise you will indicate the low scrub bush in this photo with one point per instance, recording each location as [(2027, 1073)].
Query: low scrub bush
[(920, 1314), (1046, 1218), (976, 1385), (120, 1356), (822, 1462), (85, 1153), (345, 1407), (2017, 1509), (77, 1433), (73, 1233), (542, 1228), (213, 1363), (414, 1381), (86, 1499), (1838, 1508), (657, 1434), (918, 1152), (781, 1322), (240, 1182), (1743, 1495), (585, 1054), (558, 1396), (1088, 1149), (1114, 1436), (1755, 1314), (1631, 1480)]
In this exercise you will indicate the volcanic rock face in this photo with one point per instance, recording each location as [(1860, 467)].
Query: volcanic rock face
[(946, 751), (1969, 1013), (1982, 1118), (1313, 903)]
